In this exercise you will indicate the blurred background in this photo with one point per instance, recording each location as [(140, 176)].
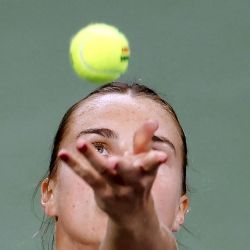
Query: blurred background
[(196, 53)]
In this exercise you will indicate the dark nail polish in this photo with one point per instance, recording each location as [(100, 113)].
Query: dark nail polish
[(83, 148), (116, 166), (64, 157)]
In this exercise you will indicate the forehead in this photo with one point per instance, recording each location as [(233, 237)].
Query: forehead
[(120, 105), (120, 110)]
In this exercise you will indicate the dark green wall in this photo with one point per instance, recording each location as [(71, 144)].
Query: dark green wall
[(196, 52)]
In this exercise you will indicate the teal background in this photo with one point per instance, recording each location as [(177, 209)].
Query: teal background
[(195, 52)]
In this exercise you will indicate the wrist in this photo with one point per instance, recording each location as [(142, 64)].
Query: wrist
[(141, 218), (137, 224)]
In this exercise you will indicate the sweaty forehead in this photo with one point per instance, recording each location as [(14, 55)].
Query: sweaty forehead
[(111, 109), (121, 104)]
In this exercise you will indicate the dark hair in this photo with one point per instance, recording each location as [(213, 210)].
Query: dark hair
[(135, 90)]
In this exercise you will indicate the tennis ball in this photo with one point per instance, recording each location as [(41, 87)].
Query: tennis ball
[(99, 53)]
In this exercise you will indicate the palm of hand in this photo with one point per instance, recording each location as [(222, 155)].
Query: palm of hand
[(121, 184)]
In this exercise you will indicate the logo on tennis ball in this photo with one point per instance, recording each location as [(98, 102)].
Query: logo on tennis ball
[(125, 54)]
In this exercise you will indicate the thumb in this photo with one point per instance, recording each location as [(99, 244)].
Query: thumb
[(143, 136)]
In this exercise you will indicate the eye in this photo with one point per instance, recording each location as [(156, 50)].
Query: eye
[(161, 146), (157, 145), (101, 148)]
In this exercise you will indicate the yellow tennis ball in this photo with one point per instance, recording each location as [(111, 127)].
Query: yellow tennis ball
[(99, 53)]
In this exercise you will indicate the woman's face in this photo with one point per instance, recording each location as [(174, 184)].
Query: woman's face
[(79, 218)]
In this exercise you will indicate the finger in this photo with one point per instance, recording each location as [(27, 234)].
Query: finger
[(131, 175), (81, 168), (101, 164), (131, 171), (128, 172), (148, 168), (152, 161), (143, 136)]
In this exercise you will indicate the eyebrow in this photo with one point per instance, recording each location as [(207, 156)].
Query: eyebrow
[(105, 132), (108, 133)]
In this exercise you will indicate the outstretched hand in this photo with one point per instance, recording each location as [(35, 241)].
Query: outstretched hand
[(121, 184)]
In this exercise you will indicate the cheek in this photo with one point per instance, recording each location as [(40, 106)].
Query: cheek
[(73, 194), (166, 193), (78, 215)]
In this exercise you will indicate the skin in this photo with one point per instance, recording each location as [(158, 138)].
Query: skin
[(118, 181)]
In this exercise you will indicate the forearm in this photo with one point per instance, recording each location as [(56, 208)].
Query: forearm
[(142, 232)]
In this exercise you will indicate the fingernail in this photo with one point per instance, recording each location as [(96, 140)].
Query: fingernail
[(162, 159), (83, 148), (153, 123), (63, 156), (116, 166)]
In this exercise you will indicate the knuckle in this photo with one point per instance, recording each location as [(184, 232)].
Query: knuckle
[(108, 196), (124, 193)]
